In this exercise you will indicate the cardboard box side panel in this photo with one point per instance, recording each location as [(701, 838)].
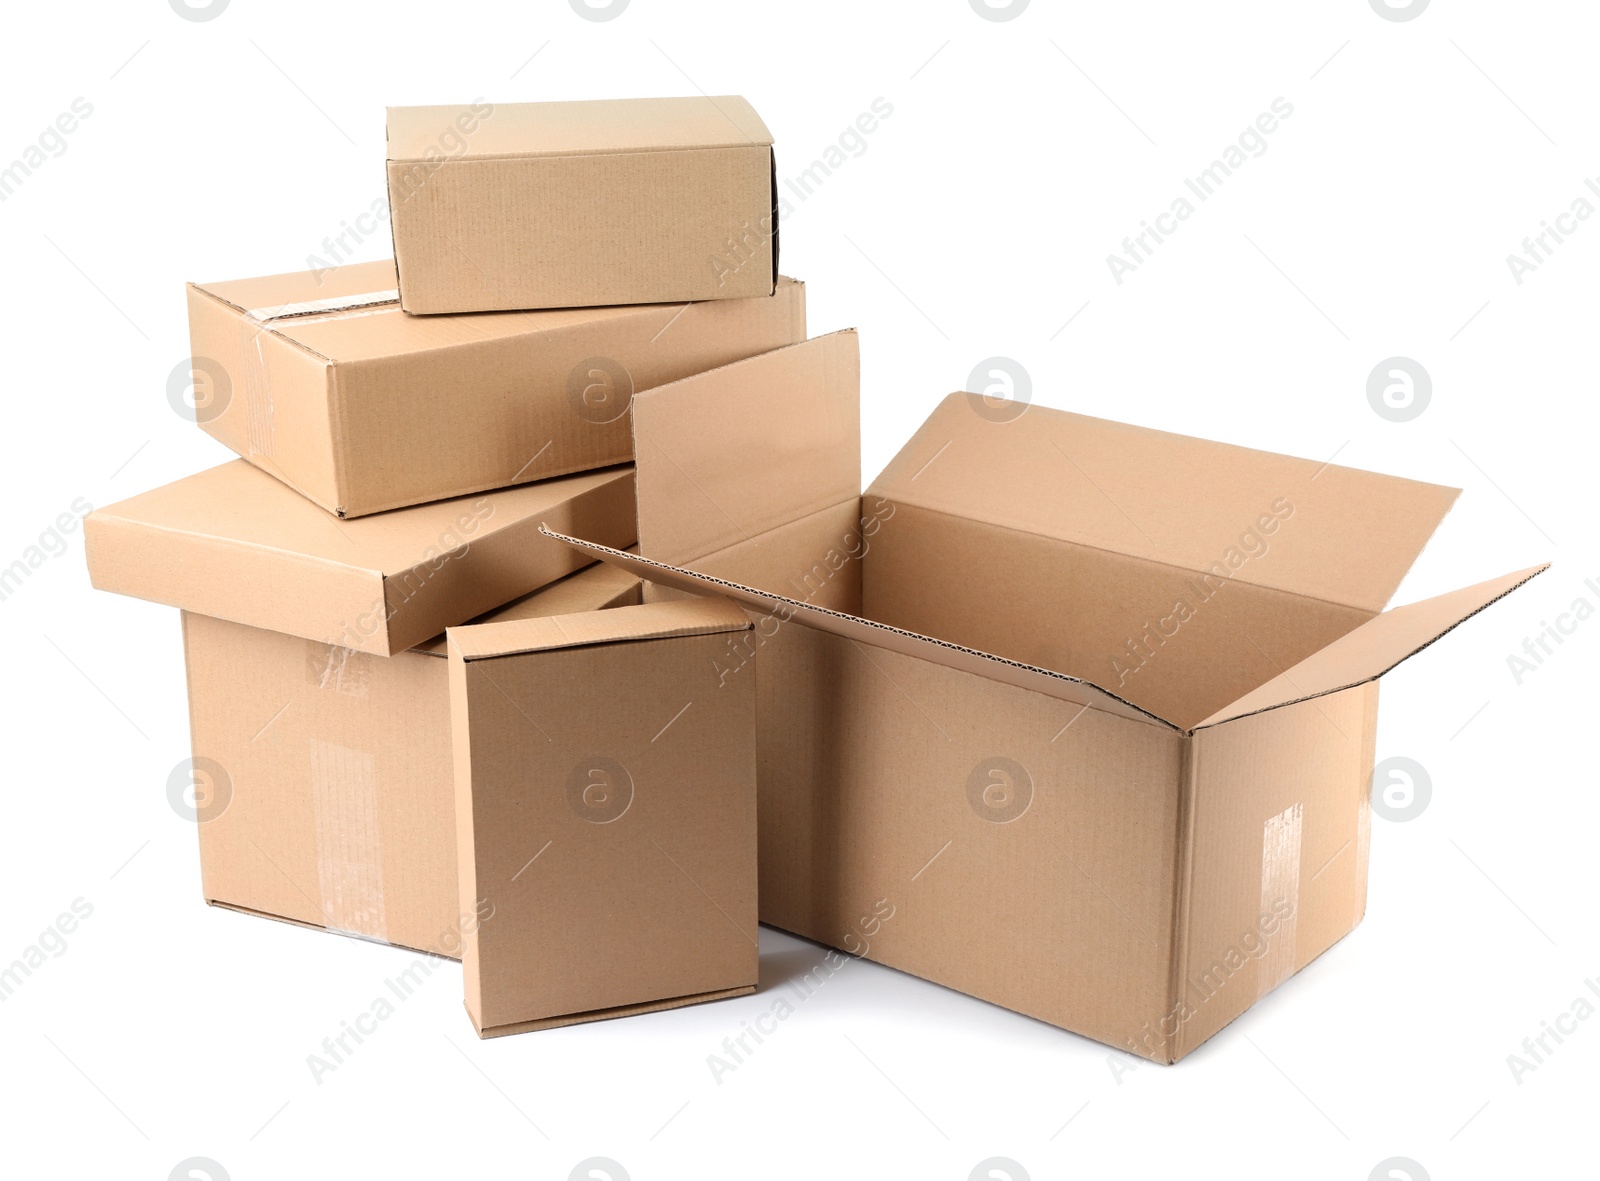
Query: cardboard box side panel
[(1336, 533), (1013, 847), (728, 455), (506, 409), (1278, 868), (619, 856), (462, 715), (1177, 643), (682, 225), (266, 398), (502, 563), (244, 583), (337, 772)]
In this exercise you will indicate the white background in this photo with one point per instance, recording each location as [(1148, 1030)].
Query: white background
[(976, 222)]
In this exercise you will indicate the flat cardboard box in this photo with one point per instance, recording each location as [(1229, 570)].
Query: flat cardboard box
[(1089, 708), (605, 814), (321, 379), (331, 800), (234, 543), (581, 204)]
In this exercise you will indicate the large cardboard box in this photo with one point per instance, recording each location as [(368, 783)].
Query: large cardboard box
[(579, 204), (1088, 708), (326, 773), (605, 812), (321, 379), (234, 543)]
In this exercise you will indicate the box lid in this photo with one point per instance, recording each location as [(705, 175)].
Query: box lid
[(235, 543), (1167, 498), (605, 813), (433, 133)]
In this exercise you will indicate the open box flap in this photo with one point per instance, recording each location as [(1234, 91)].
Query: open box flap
[(727, 455), (1374, 648), (865, 631), (1303, 526)]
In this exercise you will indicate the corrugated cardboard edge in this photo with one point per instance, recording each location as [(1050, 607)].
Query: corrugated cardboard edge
[(678, 1002), (223, 904), (853, 627), (1223, 716)]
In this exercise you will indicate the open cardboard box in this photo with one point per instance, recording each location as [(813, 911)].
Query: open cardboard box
[(1092, 706)]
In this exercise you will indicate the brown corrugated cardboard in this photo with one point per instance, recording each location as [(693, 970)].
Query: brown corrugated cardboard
[(321, 379), (580, 204), (331, 772), (1092, 707), (605, 814), (233, 543)]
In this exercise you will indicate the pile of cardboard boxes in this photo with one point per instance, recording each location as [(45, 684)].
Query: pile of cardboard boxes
[(548, 547)]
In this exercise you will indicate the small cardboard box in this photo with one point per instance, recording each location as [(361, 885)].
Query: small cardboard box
[(581, 204), (1090, 709), (605, 814), (234, 543), (321, 379), (327, 777)]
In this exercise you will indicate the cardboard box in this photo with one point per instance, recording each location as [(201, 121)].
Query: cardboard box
[(581, 204), (605, 813), (234, 543), (329, 782), (1089, 709), (321, 379)]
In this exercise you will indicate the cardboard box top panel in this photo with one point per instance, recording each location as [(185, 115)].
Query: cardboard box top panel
[(697, 495), (650, 621), (1168, 498), (438, 133), (1374, 648), (593, 588), (352, 313), (235, 543)]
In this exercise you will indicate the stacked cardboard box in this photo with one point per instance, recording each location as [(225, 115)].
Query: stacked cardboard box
[(1071, 716)]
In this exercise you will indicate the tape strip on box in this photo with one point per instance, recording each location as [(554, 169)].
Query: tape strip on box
[(344, 796), (257, 390), (1280, 895)]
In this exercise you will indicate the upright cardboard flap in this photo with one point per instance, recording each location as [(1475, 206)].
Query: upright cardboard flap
[(1338, 534), (605, 814), (724, 456), (1374, 648), (781, 610), (234, 543)]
